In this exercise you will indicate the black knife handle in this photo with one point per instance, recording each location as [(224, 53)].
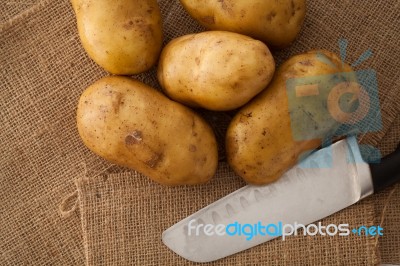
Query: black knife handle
[(387, 172)]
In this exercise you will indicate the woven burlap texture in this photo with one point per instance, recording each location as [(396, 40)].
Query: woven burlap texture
[(44, 71), (131, 213), (387, 204)]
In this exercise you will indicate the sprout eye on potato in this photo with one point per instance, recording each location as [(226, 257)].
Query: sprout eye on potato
[(277, 23), (215, 70), (260, 143), (124, 37), (131, 124)]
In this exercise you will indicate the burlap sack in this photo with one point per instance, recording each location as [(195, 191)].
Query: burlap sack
[(123, 216), (44, 69), (387, 204)]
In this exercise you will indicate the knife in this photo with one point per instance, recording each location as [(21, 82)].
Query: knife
[(301, 196)]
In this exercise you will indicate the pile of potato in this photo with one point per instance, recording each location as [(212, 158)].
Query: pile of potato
[(230, 67)]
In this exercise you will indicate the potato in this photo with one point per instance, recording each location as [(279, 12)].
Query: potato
[(277, 23), (260, 142), (131, 124), (215, 70), (124, 37)]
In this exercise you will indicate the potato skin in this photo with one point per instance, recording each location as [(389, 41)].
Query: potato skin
[(259, 141), (124, 37), (131, 124), (277, 23), (216, 70)]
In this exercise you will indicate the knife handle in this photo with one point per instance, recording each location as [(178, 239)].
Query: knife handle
[(387, 172)]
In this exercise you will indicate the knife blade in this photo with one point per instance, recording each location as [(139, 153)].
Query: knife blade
[(337, 178)]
